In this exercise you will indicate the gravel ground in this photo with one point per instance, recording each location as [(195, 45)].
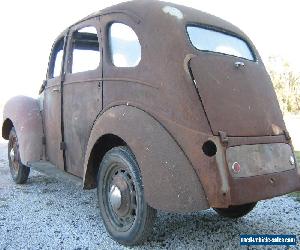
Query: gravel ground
[(48, 213)]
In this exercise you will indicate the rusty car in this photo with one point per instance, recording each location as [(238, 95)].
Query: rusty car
[(160, 107)]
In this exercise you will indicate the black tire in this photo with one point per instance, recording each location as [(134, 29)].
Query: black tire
[(19, 172), (125, 213), (236, 211)]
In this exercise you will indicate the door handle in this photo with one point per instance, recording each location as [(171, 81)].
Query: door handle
[(55, 90)]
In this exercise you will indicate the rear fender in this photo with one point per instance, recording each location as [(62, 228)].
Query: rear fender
[(170, 182), (23, 113)]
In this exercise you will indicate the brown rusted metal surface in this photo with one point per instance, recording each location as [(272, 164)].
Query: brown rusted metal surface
[(245, 190), (173, 102), (170, 182), (236, 99), (52, 108), (82, 102), (24, 114), (237, 141), (260, 159), (52, 122)]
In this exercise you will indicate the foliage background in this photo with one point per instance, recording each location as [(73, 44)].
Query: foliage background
[(286, 82)]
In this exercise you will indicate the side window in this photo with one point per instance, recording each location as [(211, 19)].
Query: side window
[(56, 59), (85, 50), (125, 48)]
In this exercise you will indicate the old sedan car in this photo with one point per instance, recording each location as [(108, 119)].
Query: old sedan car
[(159, 106)]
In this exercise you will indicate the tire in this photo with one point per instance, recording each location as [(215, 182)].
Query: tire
[(19, 172), (236, 211), (125, 213)]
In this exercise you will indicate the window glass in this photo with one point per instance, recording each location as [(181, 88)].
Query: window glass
[(125, 47), (86, 53), (57, 64), (214, 41)]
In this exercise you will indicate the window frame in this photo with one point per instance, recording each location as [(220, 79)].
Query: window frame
[(53, 56), (69, 57), (225, 32)]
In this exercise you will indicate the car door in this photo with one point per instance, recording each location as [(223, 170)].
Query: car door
[(52, 104), (82, 91)]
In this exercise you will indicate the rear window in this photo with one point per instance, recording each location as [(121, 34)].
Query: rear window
[(210, 40)]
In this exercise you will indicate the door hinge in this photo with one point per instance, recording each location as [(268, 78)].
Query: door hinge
[(63, 77), (63, 146)]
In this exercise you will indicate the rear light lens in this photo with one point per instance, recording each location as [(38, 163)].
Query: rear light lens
[(236, 167)]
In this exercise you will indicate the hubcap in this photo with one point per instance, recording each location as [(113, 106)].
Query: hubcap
[(12, 155), (115, 197)]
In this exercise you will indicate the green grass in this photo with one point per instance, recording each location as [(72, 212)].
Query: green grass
[(297, 153), (296, 195)]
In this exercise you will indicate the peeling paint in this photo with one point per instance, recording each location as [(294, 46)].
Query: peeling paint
[(276, 129), (112, 115), (173, 12)]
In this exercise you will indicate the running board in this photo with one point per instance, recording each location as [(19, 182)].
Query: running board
[(49, 169)]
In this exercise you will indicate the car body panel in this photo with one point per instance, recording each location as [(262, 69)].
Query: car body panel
[(52, 121), (260, 159), (82, 102), (217, 76), (170, 182), (24, 114), (260, 187), (51, 108)]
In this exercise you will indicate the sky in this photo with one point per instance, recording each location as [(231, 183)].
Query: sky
[(30, 27)]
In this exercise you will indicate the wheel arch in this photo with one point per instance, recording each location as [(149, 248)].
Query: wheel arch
[(170, 182), (100, 148), (6, 128), (23, 113)]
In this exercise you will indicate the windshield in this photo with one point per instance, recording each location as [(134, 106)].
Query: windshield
[(210, 40)]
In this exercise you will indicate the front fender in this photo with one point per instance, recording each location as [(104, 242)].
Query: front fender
[(24, 114), (170, 182)]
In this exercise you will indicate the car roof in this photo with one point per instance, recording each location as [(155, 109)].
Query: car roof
[(148, 11), (144, 10)]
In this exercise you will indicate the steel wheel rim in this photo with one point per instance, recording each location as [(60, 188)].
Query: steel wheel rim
[(121, 210), (13, 155)]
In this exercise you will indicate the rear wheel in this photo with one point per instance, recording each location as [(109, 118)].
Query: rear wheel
[(236, 211), (125, 213), (19, 172)]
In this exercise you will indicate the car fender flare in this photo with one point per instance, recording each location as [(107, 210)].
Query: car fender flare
[(170, 182), (24, 114)]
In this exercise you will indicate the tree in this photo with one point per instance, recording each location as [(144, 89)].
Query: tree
[(286, 83)]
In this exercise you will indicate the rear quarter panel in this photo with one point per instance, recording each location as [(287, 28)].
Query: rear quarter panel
[(170, 182)]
